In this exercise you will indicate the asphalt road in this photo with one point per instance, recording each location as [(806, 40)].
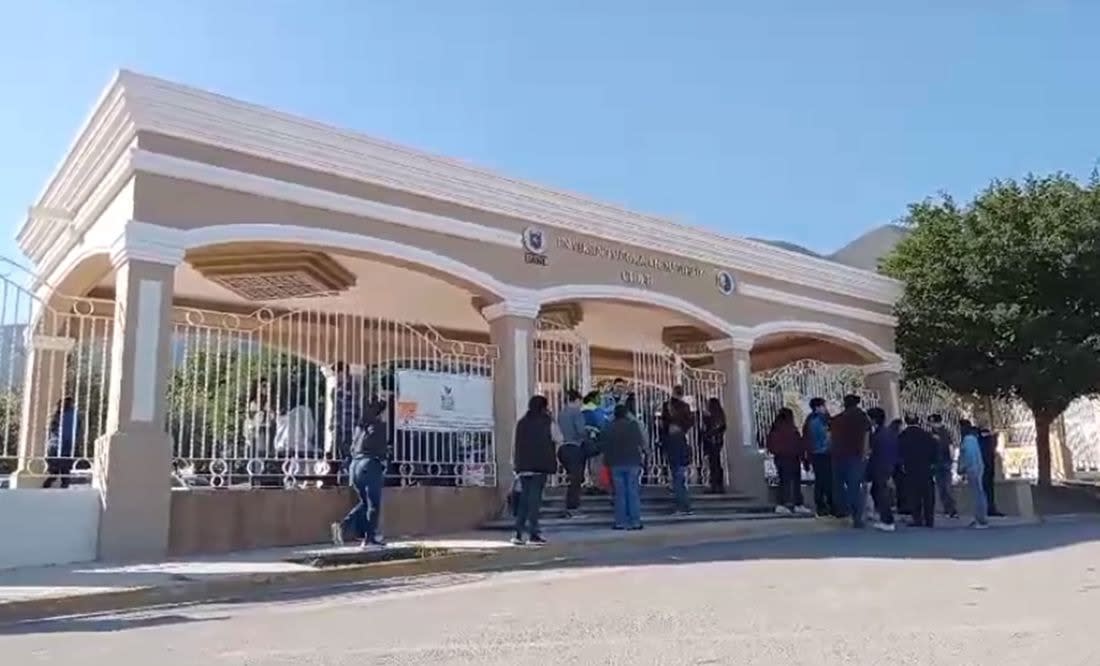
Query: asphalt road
[(1020, 595)]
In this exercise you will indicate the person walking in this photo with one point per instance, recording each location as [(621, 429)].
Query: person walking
[(534, 459), (972, 466), (883, 460), (714, 438), (63, 429), (571, 454), (366, 473), (788, 450), (987, 440), (918, 452), (622, 446), (676, 422), (945, 444), (815, 430), (850, 431)]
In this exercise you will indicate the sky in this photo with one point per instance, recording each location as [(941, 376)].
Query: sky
[(809, 122)]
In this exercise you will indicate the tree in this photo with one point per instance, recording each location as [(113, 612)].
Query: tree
[(1000, 295)]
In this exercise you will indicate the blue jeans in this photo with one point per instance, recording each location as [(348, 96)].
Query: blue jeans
[(628, 495), (977, 493), (849, 473), (367, 476), (680, 488), (529, 507)]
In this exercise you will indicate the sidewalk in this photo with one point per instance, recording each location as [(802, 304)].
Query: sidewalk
[(28, 593)]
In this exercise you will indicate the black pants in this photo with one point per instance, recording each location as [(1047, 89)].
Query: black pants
[(880, 493), (717, 474), (790, 481), (823, 483), (988, 475), (903, 491), (59, 470), (571, 457), (530, 503), (922, 497)]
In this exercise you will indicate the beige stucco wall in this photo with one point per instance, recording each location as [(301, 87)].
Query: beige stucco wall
[(170, 202)]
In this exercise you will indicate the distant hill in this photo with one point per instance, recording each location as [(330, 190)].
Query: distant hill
[(864, 252)]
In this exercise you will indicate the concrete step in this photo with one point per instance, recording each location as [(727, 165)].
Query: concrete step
[(705, 508), (656, 496), (604, 522)]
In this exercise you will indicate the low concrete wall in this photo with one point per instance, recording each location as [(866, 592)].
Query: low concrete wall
[(42, 527), (218, 521)]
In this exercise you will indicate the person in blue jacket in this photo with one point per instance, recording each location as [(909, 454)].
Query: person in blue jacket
[(972, 467)]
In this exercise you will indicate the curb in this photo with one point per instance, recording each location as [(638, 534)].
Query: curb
[(457, 562)]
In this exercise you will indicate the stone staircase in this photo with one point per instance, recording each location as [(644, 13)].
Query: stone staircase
[(596, 511)]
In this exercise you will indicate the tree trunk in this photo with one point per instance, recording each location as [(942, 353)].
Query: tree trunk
[(1043, 421)]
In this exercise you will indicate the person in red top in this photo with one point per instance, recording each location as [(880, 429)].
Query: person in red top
[(850, 430), (788, 448)]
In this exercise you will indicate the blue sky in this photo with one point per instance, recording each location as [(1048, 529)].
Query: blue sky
[(804, 121)]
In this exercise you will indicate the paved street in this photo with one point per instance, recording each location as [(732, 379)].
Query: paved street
[(1014, 595)]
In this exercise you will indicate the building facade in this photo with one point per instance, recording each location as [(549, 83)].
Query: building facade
[(229, 266)]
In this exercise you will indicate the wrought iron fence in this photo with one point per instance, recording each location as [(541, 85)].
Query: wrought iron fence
[(277, 399), (561, 365), (793, 386), (54, 374)]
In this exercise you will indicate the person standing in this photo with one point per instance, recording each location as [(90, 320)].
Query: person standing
[(850, 431), (972, 467), (788, 449), (535, 458), (594, 421), (571, 454), (883, 460), (918, 452), (815, 431), (366, 473), (676, 422), (63, 429), (987, 440), (945, 445), (714, 438), (622, 445)]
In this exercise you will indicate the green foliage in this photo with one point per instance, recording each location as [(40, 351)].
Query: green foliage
[(1000, 297)]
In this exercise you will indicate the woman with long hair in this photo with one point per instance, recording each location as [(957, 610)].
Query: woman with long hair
[(787, 447), (714, 437)]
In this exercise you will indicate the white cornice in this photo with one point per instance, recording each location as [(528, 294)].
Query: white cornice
[(891, 365), (731, 344), (148, 242), (815, 304), (195, 115), (524, 309)]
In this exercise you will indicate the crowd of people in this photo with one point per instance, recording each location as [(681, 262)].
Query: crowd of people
[(601, 436), (902, 464)]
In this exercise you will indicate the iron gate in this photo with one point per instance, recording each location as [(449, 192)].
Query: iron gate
[(562, 363)]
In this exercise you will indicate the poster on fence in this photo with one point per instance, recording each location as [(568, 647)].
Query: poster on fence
[(443, 402)]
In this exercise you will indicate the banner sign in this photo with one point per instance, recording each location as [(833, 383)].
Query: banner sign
[(443, 402)]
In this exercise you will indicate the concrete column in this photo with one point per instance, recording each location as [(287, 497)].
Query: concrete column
[(512, 330), (882, 378), (744, 461), (133, 460), (43, 387)]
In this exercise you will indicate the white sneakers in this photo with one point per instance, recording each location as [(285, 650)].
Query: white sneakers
[(803, 511), (782, 511), (797, 511), (884, 527), (337, 532)]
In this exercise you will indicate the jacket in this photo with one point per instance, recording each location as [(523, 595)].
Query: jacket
[(371, 439), (918, 450), (971, 464), (945, 441), (786, 442), (848, 432), (884, 451), (622, 443), (535, 452), (572, 423), (816, 433), (714, 433)]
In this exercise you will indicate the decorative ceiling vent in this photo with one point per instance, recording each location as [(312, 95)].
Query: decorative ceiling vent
[(264, 274)]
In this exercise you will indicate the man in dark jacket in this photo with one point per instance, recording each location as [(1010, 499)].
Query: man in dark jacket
[(534, 460), (884, 458), (945, 442), (677, 421), (919, 455), (849, 431), (367, 471), (622, 445)]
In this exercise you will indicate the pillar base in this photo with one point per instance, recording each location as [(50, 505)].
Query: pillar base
[(747, 472), (132, 474)]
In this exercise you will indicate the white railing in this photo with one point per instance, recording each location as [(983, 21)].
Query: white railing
[(274, 399), (54, 367)]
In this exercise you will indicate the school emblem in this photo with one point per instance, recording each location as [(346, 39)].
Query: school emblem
[(726, 283), (534, 240), (447, 399)]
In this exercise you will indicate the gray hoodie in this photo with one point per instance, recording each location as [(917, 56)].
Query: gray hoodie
[(571, 422)]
